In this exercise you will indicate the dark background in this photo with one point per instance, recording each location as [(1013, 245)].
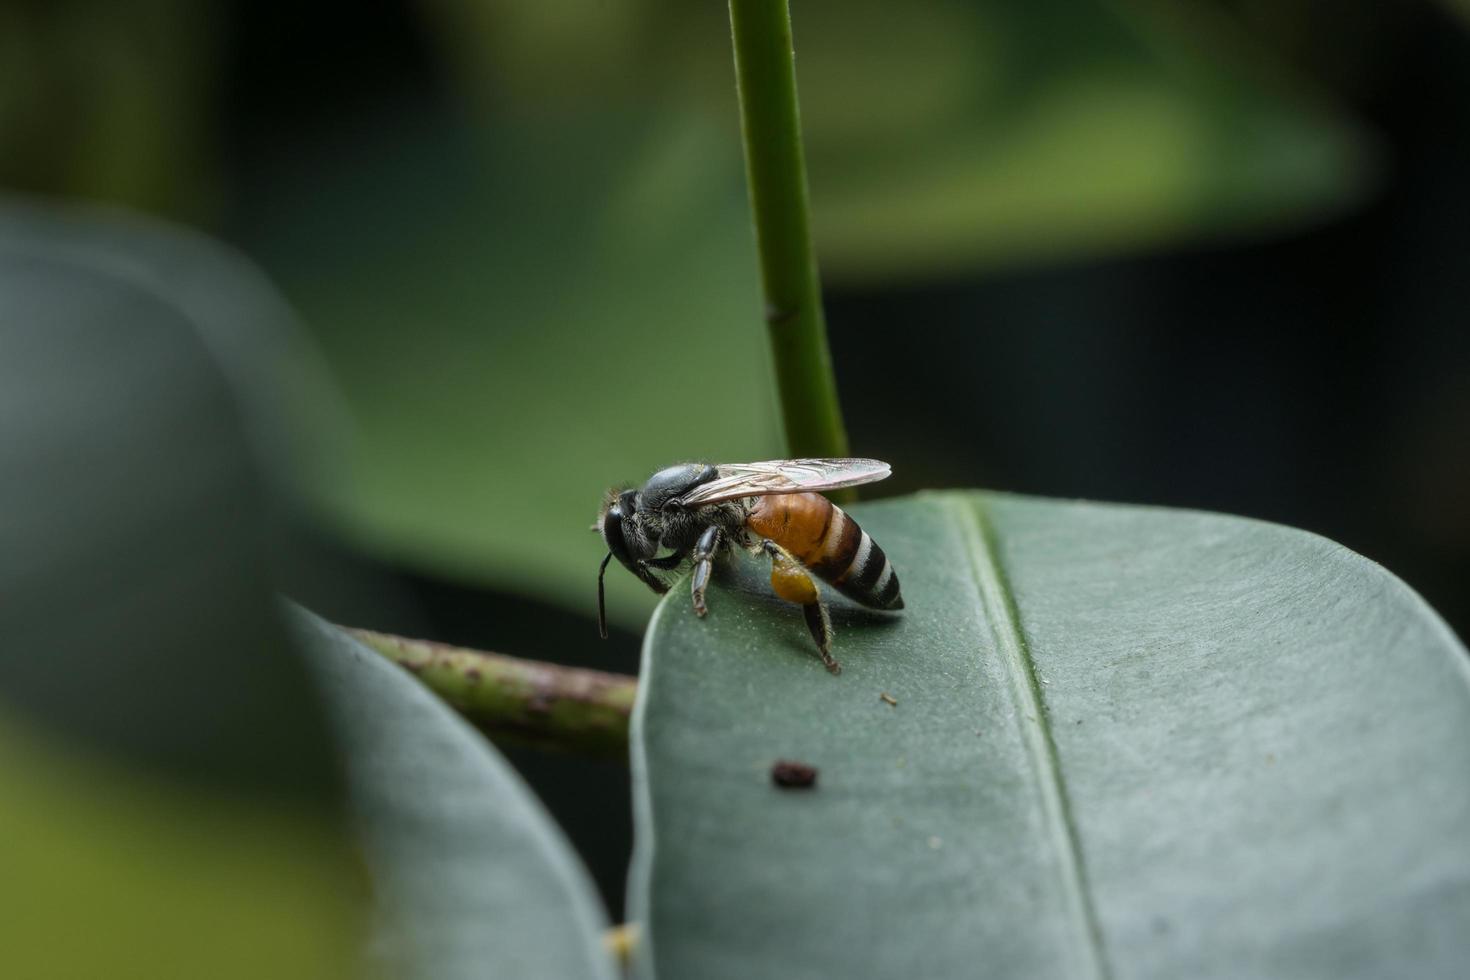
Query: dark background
[(1313, 374)]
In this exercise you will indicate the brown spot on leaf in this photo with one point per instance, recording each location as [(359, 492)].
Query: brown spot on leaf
[(793, 775)]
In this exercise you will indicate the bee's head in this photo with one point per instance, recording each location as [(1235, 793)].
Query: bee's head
[(622, 529)]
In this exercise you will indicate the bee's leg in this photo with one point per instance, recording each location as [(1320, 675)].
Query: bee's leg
[(704, 560), (792, 582), (652, 581), (820, 625), (645, 567)]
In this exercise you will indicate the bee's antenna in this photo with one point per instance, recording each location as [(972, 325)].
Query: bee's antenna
[(601, 602)]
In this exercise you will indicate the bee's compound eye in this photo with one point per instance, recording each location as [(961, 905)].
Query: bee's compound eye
[(612, 518), (612, 530)]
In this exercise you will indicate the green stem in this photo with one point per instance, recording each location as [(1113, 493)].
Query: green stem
[(765, 75), (530, 701)]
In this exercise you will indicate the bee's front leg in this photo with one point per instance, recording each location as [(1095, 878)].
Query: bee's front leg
[(705, 550), (792, 582), (645, 566)]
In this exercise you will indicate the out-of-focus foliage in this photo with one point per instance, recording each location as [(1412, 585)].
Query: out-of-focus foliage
[(1124, 741), (539, 279), (169, 806), (471, 877), (110, 871), (519, 325), (171, 799), (557, 291), (112, 101), (952, 133), (1461, 7)]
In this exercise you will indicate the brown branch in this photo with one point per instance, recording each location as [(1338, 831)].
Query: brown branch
[(531, 701)]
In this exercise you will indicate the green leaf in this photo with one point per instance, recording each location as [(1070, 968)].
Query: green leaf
[(1066, 129), (1461, 7), (532, 346), (112, 108), (472, 877), (948, 135), (1127, 742), (137, 455), (112, 871), (512, 301), (169, 806), (166, 763)]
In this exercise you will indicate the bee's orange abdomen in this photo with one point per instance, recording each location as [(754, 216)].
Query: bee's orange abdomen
[(798, 522), (830, 543)]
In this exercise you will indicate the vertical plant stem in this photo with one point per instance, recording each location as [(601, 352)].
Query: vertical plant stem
[(775, 168)]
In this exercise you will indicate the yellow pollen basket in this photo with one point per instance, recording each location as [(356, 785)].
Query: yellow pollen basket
[(791, 582)]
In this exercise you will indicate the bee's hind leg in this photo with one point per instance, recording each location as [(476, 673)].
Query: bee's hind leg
[(705, 550), (791, 581), (820, 625)]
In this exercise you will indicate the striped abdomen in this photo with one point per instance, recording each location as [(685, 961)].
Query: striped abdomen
[(830, 543)]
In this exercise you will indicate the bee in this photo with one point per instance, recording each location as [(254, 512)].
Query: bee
[(696, 511)]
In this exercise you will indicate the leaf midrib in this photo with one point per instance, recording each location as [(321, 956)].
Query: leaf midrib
[(1033, 723)]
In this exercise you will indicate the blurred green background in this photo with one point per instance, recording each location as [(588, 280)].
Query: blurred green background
[(1210, 254)]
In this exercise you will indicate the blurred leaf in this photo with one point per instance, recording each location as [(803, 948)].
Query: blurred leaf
[(167, 767), (140, 442), (952, 134), (112, 872), (1127, 741), (518, 326), (109, 102), (171, 808), (558, 293), (471, 876), (1071, 129), (1461, 7)]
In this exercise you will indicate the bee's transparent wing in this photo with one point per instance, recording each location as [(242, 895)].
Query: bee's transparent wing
[(784, 476)]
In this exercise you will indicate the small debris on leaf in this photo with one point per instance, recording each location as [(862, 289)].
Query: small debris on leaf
[(621, 941), (887, 698), (793, 775)]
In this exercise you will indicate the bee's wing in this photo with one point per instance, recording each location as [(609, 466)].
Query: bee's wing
[(784, 476)]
